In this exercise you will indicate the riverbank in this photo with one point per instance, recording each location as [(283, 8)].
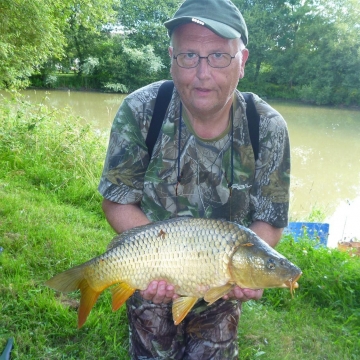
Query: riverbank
[(51, 219)]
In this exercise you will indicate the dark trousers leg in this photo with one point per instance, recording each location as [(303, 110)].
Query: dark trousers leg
[(211, 331), (153, 334), (208, 332)]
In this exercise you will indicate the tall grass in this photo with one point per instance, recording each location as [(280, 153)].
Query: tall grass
[(50, 220), (51, 150)]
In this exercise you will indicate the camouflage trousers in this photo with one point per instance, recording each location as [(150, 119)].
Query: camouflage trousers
[(207, 332)]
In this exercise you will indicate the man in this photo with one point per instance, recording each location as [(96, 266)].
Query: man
[(203, 166)]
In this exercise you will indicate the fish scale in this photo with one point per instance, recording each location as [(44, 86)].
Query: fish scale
[(202, 258), (186, 244)]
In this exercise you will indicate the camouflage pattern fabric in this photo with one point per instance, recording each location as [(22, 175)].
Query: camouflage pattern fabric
[(259, 191), (153, 334)]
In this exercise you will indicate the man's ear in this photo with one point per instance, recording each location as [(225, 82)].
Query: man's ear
[(245, 56)]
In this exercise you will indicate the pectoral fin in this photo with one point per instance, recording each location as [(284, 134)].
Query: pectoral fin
[(181, 307), (120, 293), (216, 293)]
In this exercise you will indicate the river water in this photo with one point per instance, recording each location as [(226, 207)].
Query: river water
[(325, 150)]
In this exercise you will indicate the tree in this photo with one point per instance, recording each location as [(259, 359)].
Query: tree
[(137, 54), (322, 57), (264, 20), (29, 34), (143, 22), (32, 32), (124, 68), (86, 23), (307, 48)]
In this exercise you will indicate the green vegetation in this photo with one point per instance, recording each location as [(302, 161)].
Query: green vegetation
[(51, 219), (34, 33), (303, 50)]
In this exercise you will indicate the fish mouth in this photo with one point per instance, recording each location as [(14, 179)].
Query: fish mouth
[(292, 283)]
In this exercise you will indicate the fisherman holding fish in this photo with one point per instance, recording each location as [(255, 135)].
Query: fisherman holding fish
[(202, 166)]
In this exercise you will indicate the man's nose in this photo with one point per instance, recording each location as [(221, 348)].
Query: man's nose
[(203, 66)]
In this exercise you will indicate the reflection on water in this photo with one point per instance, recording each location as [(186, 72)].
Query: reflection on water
[(96, 108), (325, 156), (325, 145)]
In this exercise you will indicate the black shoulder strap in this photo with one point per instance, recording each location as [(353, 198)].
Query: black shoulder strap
[(253, 119), (161, 103)]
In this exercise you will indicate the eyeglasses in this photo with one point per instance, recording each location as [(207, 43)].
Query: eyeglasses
[(215, 60)]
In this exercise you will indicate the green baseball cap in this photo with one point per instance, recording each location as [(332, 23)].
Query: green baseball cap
[(220, 16)]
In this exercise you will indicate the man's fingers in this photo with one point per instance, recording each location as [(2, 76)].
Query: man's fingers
[(244, 294), (159, 292), (253, 294), (150, 291), (170, 292)]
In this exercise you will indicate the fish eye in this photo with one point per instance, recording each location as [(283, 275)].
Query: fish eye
[(271, 264)]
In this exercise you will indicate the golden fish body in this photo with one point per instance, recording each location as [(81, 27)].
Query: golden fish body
[(202, 258)]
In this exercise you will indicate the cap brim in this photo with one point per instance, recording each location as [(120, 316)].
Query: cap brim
[(218, 28)]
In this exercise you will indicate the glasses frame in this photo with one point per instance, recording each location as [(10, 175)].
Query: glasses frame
[(207, 60)]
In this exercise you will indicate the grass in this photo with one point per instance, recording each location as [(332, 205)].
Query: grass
[(51, 219), (323, 319)]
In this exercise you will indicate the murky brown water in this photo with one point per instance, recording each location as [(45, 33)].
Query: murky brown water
[(325, 145)]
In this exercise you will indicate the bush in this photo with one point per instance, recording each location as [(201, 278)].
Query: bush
[(120, 88), (328, 95)]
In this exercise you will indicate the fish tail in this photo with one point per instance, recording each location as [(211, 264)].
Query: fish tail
[(72, 280), (87, 301)]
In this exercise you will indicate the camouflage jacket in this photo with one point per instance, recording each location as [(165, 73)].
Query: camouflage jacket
[(259, 191)]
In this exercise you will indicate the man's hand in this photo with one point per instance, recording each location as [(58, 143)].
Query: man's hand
[(159, 292), (244, 294)]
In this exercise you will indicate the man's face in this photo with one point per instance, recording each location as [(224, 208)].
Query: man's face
[(205, 90)]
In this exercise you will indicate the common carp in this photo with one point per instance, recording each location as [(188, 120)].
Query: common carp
[(202, 258)]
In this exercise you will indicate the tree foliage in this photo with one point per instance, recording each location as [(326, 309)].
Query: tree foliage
[(125, 68), (143, 22), (85, 27), (307, 49), (29, 34), (33, 32), (132, 56)]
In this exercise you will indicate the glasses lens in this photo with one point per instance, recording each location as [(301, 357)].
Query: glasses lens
[(187, 60), (219, 60)]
